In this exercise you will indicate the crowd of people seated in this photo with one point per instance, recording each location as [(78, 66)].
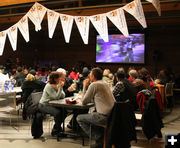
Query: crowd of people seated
[(103, 88)]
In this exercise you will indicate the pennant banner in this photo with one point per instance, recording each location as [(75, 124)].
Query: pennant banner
[(117, 17), (24, 27), (12, 34), (100, 23), (33, 16), (83, 27), (41, 12), (156, 4), (67, 22), (2, 41), (52, 21), (135, 9)]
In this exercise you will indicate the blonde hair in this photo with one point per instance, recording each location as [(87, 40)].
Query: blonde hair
[(133, 73), (30, 77)]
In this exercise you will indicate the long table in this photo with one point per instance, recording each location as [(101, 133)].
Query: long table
[(62, 104)]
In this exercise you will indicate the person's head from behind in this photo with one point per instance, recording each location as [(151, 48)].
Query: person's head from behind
[(55, 77), (120, 75), (85, 72), (139, 84), (19, 69), (1, 68), (143, 72), (96, 74), (33, 72), (133, 74), (30, 77)]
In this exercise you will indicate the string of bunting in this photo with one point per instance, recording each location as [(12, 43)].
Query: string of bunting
[(99, 21)]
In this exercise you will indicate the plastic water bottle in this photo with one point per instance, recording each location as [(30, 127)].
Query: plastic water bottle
[(6, 87), (12, 85)]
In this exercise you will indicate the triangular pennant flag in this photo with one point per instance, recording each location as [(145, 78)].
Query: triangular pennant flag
[(117, 17), (41, 12), (12, 34), (2, 41), (83, 27), (135, 9), (100, 23), (156, 4), (34, 17), (24, 27), (67, 22), (52, 21)]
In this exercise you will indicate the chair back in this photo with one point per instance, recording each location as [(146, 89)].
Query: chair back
[(169, 89), (36, 96)]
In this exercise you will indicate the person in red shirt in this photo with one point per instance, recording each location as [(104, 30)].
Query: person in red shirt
[(74, 74)]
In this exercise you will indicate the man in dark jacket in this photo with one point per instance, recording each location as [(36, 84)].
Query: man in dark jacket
[(19, 77)]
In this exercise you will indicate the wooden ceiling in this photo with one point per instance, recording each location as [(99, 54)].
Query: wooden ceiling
[(12, 10)]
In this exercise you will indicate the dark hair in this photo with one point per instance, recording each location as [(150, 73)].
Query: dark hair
[(120, 74), (143, 72), (19, 69), (33, 72), (98, 73), (53, 75)]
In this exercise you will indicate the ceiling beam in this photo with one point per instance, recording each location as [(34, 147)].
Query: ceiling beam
[(15, 2)]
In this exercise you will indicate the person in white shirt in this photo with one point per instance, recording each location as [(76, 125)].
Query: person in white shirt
[(3, 78)]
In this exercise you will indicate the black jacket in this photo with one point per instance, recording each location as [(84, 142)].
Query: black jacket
[(151, 118), (121, 126), (29, 86), (20, 77)]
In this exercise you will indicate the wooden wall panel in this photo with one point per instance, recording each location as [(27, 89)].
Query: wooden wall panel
[(14, 2)]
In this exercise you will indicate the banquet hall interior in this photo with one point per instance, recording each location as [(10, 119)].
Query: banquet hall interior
[(155, 47)]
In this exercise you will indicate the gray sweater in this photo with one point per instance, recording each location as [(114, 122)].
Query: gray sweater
[(49, 93), (100, 93)]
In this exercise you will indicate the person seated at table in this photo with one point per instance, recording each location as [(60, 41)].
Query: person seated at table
[(163, 77), (53, 91), (83, 76), (74, 74), (28, 86), (124, 90), (19, 76), (133, 74), (99, 93), (3, 78), (143, 72), (70, 88)]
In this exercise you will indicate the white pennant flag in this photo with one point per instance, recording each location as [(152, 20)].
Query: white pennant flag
[(24, 27), (34, 17), (12, 34), (135, 9), (100, 23), (2, 41), (83, 27), (52, 21), (67, 22), (117, 17), (156, 4), (41, 12)]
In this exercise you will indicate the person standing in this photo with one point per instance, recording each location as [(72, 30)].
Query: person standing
[(99, 93)]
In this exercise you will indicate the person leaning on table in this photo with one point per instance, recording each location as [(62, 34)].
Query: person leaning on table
[(98, 92), (53, 91)]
